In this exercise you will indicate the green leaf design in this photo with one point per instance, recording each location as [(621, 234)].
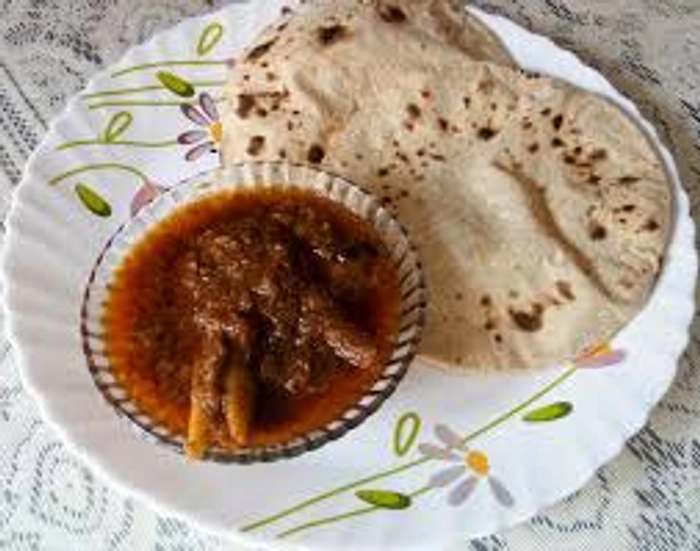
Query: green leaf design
[(385, 499), (552, 412), (117, 125), (209, 38), (406, 432), (93, 201), (177, 85)]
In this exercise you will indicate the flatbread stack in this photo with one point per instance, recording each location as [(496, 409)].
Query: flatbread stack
[(540, 210)]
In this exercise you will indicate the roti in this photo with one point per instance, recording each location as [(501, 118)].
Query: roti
[(541, 211)]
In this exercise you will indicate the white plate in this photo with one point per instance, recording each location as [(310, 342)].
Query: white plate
[(127, 142)]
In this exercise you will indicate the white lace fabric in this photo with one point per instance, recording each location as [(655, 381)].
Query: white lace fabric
[(646, 499)]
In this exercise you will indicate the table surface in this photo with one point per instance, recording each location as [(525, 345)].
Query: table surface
[(648, 498)]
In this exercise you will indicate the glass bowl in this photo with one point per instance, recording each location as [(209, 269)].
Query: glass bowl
[(246, 177)]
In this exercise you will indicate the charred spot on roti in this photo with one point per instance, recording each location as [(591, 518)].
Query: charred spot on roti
[(260, 50), (282, 153), (486, 86), (626, 283), (403, 157), (651, 225), (408, 125), (443, 124), (438, 157), (546, 112), (261, 112), (286, 10), (486, 301), (570, 159), (557, 122), (426, 94), (529, 322), (486, 133), (490, 325), (459, 295), (594, 179), (498, 338), (413, 110), (332, 34), (255, 145), (628, 180), (271, 77), (383, 172), (557, 142), (628, 208), (246, 103), (599, 155), (467, 102), (392, 14), (565, 290), (316, 154), (597, 232), (420, 152), (533, 147)]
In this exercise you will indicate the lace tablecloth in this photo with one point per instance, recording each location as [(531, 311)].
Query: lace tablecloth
[(647, 499)]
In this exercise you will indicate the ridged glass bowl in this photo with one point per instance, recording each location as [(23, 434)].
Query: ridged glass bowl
[(246, 177)]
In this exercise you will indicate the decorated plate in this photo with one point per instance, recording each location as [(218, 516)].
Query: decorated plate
[(446, 458)]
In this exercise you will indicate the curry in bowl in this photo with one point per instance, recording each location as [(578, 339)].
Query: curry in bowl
[(252, 317)]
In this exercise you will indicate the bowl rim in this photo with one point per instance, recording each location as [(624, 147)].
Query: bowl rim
[(411, 321)]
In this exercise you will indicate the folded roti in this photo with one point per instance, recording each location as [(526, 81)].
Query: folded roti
[(541, 211)]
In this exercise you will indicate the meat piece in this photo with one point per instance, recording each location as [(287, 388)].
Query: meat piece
[(286, 368), (352, 271), (325, 366), (205, 396), (348, 343), (238, 402), (346, 340)]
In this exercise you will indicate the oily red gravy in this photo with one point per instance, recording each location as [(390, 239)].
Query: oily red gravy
[(252, 317)]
